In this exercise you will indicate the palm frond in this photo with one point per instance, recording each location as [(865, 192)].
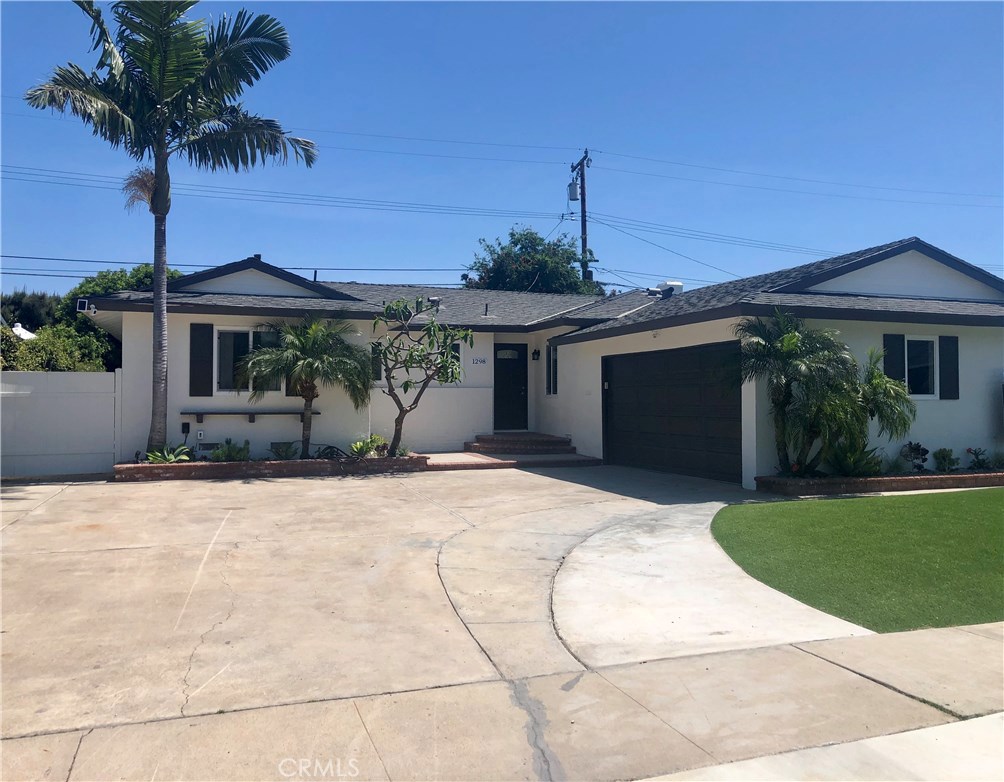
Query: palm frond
[(91, 98), (164, 46), (138, 188), (102, 38), (239, 50), (235, 139)]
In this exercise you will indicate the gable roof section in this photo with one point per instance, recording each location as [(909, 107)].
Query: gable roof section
[(255, 263), (863, 258), (762, 293)]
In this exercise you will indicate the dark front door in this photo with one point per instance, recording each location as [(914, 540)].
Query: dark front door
[(510, 386), (675, 410)]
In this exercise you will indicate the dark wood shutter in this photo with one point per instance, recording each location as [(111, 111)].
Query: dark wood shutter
[(894, 346), (200, 359), (948, 367), (376, 363)]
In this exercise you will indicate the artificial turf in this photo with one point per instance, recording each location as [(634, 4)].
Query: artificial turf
[(886, 563)]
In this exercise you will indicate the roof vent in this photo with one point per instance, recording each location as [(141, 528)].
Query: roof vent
[(434, 301), (257, 256), (666, 289)]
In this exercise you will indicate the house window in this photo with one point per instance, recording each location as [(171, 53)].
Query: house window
[(921, 356), (551, 369), (929, 365), (231, 348)]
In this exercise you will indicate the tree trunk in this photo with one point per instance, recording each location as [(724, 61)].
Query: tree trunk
[(308, 420), (160, 205), (395, 441)]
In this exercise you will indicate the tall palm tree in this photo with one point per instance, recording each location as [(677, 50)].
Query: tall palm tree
[(310, 353), (167, 85)]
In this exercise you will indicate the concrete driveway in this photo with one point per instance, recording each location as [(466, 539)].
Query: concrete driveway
[(404, 628)]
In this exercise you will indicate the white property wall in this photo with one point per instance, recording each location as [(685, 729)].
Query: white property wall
[(445, 419), (58, 423)]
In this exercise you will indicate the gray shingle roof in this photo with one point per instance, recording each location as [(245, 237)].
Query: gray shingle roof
[(458, 307), (729, 298)]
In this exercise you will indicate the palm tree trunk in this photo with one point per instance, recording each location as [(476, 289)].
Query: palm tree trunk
[(158, 416), (160, 205), (308, 420)]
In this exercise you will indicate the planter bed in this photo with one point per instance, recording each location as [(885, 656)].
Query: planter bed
[(808, 487), (291, 468)]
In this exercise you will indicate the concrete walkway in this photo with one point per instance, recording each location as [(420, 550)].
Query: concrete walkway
[(322, 640)]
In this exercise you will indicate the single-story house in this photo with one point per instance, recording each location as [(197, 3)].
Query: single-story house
[(645, 378)]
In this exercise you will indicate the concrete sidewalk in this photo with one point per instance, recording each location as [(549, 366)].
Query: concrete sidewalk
[(620, 722)]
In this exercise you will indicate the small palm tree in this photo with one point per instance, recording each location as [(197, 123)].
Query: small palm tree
[(806, 372), (310, 353), (167, 85)]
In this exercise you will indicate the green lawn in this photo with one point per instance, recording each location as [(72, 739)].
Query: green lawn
[(886, 563)]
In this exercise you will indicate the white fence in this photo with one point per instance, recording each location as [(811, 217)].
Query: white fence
[(59, 423)]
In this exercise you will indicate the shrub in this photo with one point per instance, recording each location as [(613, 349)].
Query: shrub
[(978, 459), (229, 451), (916, 454), (401, 450), (851, 458), (170, 454), (372, 444), (285, 451), (945, 460)]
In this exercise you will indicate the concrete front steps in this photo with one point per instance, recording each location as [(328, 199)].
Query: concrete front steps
[(520, 443), (469, 460)]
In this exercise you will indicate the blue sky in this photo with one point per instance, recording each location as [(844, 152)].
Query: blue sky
[(904, 96)]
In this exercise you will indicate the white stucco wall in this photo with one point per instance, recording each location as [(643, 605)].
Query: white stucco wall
[(445, 419), (976, 419), (58, 423), (910, 274)]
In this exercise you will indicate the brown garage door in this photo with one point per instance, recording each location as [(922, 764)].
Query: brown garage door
[(675, 410)]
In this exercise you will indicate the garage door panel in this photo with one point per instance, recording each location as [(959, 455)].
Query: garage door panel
[(676, 410)]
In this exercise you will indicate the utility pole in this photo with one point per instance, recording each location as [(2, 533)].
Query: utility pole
[(580, 170)]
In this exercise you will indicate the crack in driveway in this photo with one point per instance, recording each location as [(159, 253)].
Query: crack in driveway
[(202, 638)]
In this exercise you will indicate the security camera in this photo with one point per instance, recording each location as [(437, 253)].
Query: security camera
[(93, 310)]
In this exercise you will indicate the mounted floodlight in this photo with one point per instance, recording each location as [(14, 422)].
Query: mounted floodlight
[(81, 305)]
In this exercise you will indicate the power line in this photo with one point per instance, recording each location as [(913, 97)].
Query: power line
[(799, 192), (799, 179), (625, 155), (667, 249), (209, 266), (56, 176)]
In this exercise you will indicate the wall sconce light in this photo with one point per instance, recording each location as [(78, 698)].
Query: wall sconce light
[(535, 355)]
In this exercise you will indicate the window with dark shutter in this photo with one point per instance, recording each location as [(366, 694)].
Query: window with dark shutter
[(376, 363), (948, 367), (200, 359), (894, 346), (547, 361)]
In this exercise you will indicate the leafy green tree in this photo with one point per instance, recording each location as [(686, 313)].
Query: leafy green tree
[(167, 85), (529, 262), (32, 310), (106, 281), (309, 354), (55, 348), (818, 400), (416, 349)]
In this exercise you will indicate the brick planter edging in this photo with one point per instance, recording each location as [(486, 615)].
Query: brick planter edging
[(798, 487), (292, 468)]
